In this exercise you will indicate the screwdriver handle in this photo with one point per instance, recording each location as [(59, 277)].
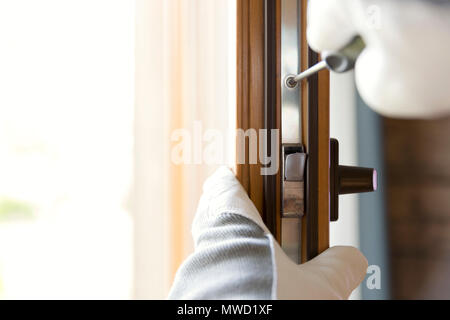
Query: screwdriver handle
[(344, 59)]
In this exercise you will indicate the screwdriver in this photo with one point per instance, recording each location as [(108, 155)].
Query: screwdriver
[(337, 61)]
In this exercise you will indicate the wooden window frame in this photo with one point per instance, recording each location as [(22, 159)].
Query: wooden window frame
[(259, 107)]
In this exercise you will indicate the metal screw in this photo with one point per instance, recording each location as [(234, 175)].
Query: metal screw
[(290, 82)]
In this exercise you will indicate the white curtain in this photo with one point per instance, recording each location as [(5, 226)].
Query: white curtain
[(185, 78)]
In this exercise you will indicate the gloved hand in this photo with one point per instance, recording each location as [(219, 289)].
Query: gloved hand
[(404, 70), (236, 257)]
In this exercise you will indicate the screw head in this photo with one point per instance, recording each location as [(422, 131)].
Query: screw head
[(290, 82)]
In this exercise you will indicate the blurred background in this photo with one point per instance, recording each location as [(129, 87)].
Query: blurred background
[(66, 148), (91, 205)]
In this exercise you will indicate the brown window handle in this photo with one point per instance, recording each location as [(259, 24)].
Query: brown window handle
[(347, 180)]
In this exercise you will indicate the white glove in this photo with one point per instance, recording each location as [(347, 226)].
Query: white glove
[(404, 70), (232, 260)]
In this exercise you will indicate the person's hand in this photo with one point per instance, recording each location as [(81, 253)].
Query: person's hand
[(236, 257), (404, 70)]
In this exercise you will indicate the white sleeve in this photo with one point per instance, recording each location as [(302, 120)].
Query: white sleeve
[(232, 260), (233, 257)]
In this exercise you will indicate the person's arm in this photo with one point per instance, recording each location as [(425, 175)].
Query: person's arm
[(236, 257)]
